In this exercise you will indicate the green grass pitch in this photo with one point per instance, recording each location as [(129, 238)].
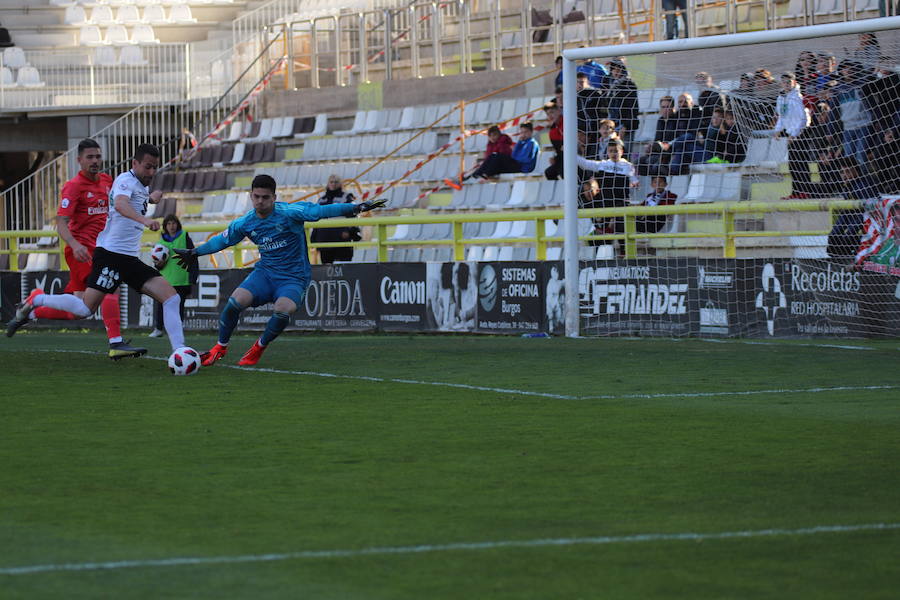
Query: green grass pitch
[(447, 467)]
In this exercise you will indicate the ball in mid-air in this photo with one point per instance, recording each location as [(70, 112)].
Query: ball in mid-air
[(184, 361), (159, 254)]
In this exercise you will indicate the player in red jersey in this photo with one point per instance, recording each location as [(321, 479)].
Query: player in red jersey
[(81, 217)]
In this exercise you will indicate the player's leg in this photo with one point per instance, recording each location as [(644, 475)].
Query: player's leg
[(289, 294), (162, 291), (240, 299)]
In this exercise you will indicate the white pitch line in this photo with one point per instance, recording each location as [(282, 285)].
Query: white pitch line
[(816, 390), (461, 546), (516, 392)]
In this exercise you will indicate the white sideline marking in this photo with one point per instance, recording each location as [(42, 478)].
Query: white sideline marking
[(515, 392), (743, 393), (427, 548)]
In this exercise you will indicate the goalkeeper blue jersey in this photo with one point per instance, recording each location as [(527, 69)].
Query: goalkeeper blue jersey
[(279, 236)]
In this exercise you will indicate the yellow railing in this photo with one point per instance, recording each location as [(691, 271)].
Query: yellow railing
[(725, 211)]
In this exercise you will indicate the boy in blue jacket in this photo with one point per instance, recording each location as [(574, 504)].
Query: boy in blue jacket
[(523, 158)]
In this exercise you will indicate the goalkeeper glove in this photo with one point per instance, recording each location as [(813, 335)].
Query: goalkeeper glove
[(368, 205), (184, 256)]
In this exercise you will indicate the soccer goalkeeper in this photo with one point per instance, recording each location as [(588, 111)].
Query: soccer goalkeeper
[(282, 273)]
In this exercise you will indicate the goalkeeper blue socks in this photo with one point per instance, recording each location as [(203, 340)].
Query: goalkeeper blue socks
[(228, 320), (274, 327)]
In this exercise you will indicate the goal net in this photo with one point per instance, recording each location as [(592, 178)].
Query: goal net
[(748, 189)]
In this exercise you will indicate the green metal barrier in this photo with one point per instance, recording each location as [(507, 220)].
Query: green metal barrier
[(725, 211)]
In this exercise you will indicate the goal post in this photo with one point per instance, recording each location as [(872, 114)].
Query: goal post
[(762, 171)]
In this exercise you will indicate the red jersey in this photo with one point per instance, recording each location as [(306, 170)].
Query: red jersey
[(86, 202), (503, 145)]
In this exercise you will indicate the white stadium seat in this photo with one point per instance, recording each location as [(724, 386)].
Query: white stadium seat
[(181, 13), (14, 58), (75, 15), (105, 56), (143, 34), (117, 35), (132, 55), (29, 77), (155, 14), (128, 15), (90, 36), (6, 78), (102, 15)]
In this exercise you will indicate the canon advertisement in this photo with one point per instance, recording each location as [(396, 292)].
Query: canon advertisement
[(657, 297), (402, 297)]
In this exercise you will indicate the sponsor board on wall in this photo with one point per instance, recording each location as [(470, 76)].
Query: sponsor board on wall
[(806, 297), (553, 285), (340, 297), (509, 297), (716, 282), (402, 296), (451, 293), (10, 294), (630, 297)]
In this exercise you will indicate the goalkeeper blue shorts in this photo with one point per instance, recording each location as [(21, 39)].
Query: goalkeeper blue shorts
[(267, 286)]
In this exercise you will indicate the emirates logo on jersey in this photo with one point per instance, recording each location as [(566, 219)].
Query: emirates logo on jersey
[(90, 195)]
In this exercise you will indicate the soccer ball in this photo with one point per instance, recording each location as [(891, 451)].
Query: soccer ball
[(160, 254), (184, 361)]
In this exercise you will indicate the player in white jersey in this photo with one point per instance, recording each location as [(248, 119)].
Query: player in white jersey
[(117, 256)]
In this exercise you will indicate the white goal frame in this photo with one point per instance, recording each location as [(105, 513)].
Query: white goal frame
[(570, 190)]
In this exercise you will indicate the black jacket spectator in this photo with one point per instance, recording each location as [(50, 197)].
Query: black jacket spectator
[(623, 98)]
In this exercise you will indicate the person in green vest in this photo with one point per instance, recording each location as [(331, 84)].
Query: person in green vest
[(182, 279)]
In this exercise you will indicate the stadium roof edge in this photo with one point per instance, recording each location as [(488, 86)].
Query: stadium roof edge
[(735, 39)]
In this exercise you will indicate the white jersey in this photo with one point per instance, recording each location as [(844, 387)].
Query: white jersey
[(121, 234)]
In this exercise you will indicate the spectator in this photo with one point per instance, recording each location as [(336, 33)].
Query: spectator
[(597, 74), (824, 129), (883, 92), (670, 6), (868, 50), (826, 70), (659, 196), (498, 143), (607, 133), (765, 92), (742, 102), (615, 177), (805, 73), (656, 153), (733, 140), (559, 75), (830, 184), (522, 160), (623, 100), (843, 240), (793, 119), (334, 194), (854, 112), (886, 161), (592, 104), (555, 124), (710, 97), (688, 135), (182, 279)]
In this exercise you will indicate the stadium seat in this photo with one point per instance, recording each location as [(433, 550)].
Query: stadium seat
[(128, 14), (102, 15), (132, 55), (117, 35), (285, 128), (14, 58), (90, 35), (6, 78), (75, 15), (143, 34), (29, 77), (155, 14), (104, 56), (238, 156), (234, 132), (181, 13), (359, 121)]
